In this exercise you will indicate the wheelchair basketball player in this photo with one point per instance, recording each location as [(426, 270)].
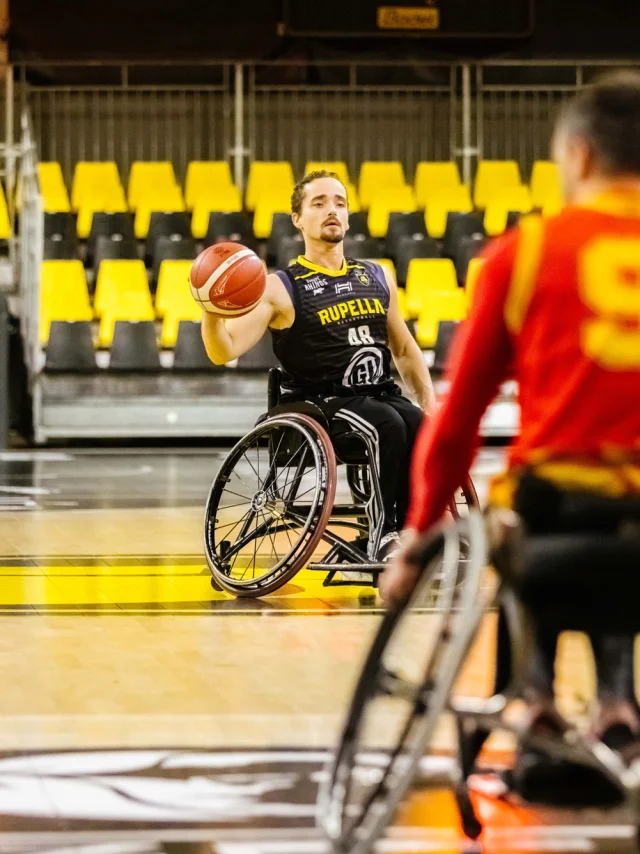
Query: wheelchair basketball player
[(559, 302), (335, 325)]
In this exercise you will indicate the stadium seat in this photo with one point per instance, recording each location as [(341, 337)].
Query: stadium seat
[(432, 178), (5, 222), (63, 294), (114, 248), (386, 264), (268, 176), (59, 248), (108, 225), (441, 305), (204, 178), (427, 275), (402, 304), (492, 177), (509, 200), (441, 204), (174, 224), (281, 228), (396, 199), (185, 309), (235, 227), (376, 176), (360, 247), (553, 204), (411, 247), (545, 183), (475, 265), (337, 166), (59, 225), (268, 205), (116, 282), (127, 306), (403, 225), (70, 347), (106, 202), (91, 179), (171, 249), (260, 357), (288, 250), (353, 199), (189, 352), (134, 346), (149, 178), (446, 331), (458, 225), (173, 288), (469, 246), (166, 202), (225, 199), (358, 224), (53, 189)]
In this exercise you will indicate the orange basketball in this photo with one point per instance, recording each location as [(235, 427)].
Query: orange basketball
[(227, 279)]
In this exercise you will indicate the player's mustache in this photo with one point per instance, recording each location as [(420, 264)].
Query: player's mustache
[(331, 221)]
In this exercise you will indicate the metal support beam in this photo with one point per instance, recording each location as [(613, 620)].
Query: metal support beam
[(4, 374), (239, 142)]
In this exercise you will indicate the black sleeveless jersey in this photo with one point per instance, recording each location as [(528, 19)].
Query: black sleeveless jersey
[(338, 343)]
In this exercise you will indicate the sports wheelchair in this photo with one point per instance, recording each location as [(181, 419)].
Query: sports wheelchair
[(421, 648), (272, 506)]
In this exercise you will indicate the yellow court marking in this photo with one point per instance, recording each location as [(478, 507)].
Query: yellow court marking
[(51, 586)]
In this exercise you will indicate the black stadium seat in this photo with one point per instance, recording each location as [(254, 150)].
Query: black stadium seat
[(403, 225), (134, 346), (360, 246), (171, 249), (234, 227), (108, 225), (289, 249), (469, 246), (358, 225), (281, 228), (60, 225), (161, 224), (458, 225), (70, 347), (446, 331), (114, 248), (59, 247), (410, 247), (189, 352), (260, 357)]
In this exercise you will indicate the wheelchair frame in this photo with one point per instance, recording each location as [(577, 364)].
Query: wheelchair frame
[(432, 698), (343, 556)]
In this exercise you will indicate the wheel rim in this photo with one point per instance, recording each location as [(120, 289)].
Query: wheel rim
[(263, 515)]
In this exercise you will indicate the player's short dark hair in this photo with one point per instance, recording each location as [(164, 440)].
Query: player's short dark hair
[(607, 115), (297, 197)]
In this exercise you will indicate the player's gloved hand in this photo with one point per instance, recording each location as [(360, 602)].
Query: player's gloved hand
[(401, 575)]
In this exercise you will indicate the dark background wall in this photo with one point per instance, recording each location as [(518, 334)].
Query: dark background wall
[(238, 29)]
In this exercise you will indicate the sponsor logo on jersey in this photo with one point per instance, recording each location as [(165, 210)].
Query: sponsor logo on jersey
[(364, 277), (344, 288), (351, 308), (316, 284), (366, 368)]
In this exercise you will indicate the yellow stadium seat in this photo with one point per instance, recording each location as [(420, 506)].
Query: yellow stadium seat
[(545, 183), (473, 271), (352, 198), (273, 177), (130, 307), (146, 177), (178, 304), (94, 179), (173, 285), (516, 199), (400, 199), (5, 222), (168, 200), (118, 279), (225, 199), (402, 304), (440, 305), (337, 166), (113, 202), (432, 178), (55, 197), (376, 175), (265, 209), (553, 204), (426, 275), (63, 294), (440, 204), (205, 177), (493, 176)]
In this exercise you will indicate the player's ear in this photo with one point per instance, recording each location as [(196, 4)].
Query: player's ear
[(295, 219)]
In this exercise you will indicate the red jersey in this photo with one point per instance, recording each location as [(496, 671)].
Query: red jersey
[(557, 304)]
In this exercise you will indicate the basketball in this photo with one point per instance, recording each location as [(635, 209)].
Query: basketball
[(227, 279)]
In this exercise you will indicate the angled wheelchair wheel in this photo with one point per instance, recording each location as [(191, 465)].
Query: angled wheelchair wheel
[(465, 499), (269, 505), (404, 687)]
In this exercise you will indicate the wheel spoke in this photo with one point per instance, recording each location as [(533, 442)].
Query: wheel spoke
[(253, 467), (241, 543)]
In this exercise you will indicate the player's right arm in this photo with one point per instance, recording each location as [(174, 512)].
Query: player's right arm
[(226, 339)]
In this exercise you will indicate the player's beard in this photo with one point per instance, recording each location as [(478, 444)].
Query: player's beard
[(332, 234)]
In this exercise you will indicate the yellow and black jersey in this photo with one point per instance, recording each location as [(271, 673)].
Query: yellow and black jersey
[(338, 341)]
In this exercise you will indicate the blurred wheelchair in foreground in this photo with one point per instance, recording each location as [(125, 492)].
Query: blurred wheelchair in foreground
[(580, 580), (272, 506)]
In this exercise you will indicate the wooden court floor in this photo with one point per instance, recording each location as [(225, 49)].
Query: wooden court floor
[(142, 708)]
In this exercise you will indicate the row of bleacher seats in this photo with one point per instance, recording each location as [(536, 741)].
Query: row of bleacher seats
[(382, 189)]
